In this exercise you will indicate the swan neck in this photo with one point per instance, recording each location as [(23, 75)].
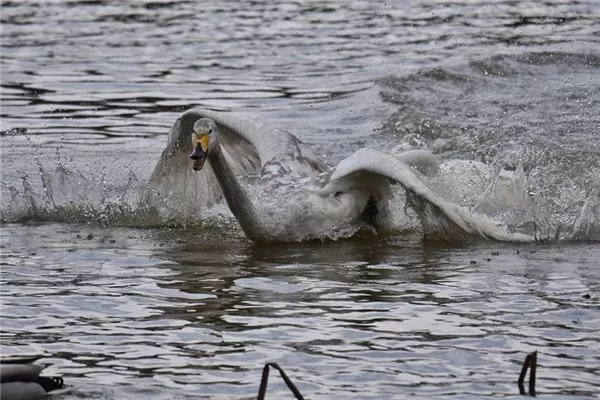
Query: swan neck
[(237, 199)]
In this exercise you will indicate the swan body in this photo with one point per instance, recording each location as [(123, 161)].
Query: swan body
[(278, 190), (20, 380)]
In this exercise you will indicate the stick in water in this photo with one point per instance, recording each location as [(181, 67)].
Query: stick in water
[(262, 390), (531, 363)]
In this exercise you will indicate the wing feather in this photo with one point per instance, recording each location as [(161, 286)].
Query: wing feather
[(250, 144), (249, 147), (351, 172)]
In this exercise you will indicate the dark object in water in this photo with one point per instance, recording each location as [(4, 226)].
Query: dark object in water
[(531, 363), (262, 390), (20, 379)]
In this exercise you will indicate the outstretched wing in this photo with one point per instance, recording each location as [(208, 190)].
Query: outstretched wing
[(437, 215), (250, 148), (253, 146)]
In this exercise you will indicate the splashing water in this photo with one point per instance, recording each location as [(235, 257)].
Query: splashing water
[(528, 124), (497, 198), (503, 162)]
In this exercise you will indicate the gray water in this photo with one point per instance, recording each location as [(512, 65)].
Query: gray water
[(127, 305)]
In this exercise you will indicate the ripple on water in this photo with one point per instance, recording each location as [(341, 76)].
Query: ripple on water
[(138, 316)]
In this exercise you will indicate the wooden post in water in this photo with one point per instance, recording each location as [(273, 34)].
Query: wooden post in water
[(531, 363), (262, 390)]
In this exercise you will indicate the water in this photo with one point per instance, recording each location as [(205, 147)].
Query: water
[(129, 305)]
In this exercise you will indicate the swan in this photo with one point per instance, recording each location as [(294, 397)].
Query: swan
[(279, 191), (20, 380)]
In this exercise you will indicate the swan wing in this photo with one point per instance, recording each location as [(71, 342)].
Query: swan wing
[(369, 165), (260, 145), (250, 148), (248, 145), (173, 184)]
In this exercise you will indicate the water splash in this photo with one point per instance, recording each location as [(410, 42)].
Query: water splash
[(64, 193), (503, 201), (534, 145)]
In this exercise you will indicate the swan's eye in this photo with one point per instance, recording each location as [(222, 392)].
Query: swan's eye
[(210, 131)]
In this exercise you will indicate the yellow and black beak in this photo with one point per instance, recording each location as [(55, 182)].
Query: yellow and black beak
[(200, 152)]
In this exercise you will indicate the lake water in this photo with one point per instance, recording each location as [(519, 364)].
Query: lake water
[(127, 305)]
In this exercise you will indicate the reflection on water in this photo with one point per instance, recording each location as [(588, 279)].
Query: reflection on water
[(161, 312)]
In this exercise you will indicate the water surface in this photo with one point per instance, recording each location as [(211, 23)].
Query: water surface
[(128, 305)]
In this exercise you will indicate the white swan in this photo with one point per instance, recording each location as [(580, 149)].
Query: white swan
[(293, 197), (20, 380)]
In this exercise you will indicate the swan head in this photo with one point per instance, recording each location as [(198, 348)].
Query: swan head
[(204, 137)]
